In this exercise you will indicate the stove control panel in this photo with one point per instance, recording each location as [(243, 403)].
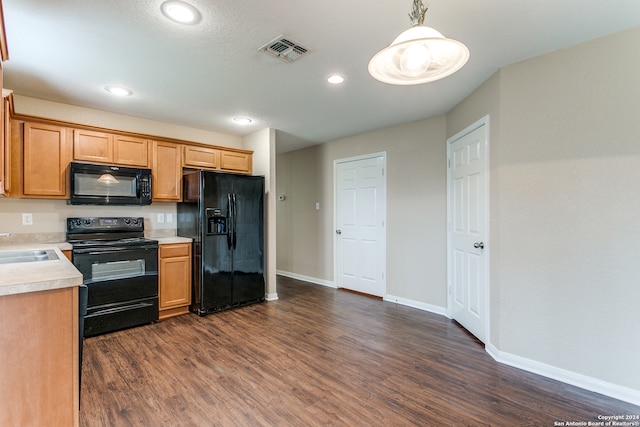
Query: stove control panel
[(78, 225)]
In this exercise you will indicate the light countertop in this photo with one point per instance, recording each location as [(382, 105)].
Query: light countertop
[(26, 277), (172, 239)]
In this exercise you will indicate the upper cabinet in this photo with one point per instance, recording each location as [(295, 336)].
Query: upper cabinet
[(39, 151), (46, 154), (166, 172), (92, 146), (3, 142), (5, 146), (4, 136), (226, 160), (201, 157), (103, 147), (235, 161), (131, 151)]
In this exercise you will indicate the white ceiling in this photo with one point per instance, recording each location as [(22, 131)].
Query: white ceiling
[(204, 75)]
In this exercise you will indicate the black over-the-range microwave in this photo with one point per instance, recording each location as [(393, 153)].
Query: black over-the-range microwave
[(93, 184)]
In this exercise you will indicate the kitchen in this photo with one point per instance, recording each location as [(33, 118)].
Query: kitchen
[(42, 209)]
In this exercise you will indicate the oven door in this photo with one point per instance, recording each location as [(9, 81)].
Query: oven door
[(122, 286)]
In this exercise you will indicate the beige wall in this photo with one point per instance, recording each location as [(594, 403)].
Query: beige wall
[(87, 116), (564, 209), (416, 208), (263, 145), (569, 199)]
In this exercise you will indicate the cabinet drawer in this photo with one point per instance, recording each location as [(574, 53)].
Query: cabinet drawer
[(175, 250)]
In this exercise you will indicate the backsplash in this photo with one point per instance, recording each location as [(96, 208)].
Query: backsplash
[(49, 219)]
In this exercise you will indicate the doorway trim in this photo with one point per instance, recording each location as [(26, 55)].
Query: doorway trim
[(484, 121), (383, 256)]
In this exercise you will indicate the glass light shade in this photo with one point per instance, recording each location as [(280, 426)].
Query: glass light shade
[(418, 55)]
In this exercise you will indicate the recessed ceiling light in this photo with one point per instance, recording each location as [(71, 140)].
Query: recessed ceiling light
[(242, 120), (335, 79), (118, 90), (181, 12)]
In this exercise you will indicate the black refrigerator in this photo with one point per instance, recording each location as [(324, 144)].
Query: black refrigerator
[(224, 215)]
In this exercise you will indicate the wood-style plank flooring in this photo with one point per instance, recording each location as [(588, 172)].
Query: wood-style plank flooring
[(317, 357)]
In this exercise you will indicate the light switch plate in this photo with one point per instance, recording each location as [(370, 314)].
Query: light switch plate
[(169, 217), (160, 218)]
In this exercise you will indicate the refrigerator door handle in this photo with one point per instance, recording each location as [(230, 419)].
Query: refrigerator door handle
[(235, 216), (230, 220)]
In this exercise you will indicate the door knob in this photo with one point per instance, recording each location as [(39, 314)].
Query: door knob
[(478, 245), (338, 231)]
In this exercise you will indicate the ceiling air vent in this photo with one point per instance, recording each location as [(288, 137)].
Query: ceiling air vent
[(284, 49)]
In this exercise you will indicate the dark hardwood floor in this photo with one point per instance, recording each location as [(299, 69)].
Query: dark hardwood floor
[(315, 357)]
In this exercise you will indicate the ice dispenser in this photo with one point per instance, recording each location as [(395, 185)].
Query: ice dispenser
[(216, 221)]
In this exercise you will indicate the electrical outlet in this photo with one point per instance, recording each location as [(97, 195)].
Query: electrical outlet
[(160, 218), (169, 217), (27, 219)]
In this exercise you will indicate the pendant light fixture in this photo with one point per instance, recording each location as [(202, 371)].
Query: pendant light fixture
[(418, 55)]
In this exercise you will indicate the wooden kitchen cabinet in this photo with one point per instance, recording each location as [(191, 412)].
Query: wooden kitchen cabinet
[(201, 157), (233, 161), (174, 279), (47, 151), (5, 147), (92, 146), (166, 172), (39, 352), (104, 147), (131, 151)]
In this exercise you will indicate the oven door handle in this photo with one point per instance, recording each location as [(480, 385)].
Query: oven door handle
[(111, 250), (120, 309)]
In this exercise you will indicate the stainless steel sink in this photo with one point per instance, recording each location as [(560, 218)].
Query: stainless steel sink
[(27, 256)]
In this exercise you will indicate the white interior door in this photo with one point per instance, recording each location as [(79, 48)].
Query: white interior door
[(468, 219), (360, 210)]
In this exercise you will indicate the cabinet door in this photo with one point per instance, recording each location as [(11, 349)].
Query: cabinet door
[(175, 276), (3, 143), (235, 162), (47, 153), (7, 145), (174, 279), (131, 151), (92, 146), (166, 169), (201, 157), (39, 353)]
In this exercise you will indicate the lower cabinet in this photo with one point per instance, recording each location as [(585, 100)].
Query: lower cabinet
[(174, 279), (39, 358)]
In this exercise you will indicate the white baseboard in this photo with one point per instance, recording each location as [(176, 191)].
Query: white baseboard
[(271, 297), (588, 383), (417, 304), (309, 279)]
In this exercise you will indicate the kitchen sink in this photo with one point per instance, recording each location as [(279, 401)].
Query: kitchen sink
[(27, 256)]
